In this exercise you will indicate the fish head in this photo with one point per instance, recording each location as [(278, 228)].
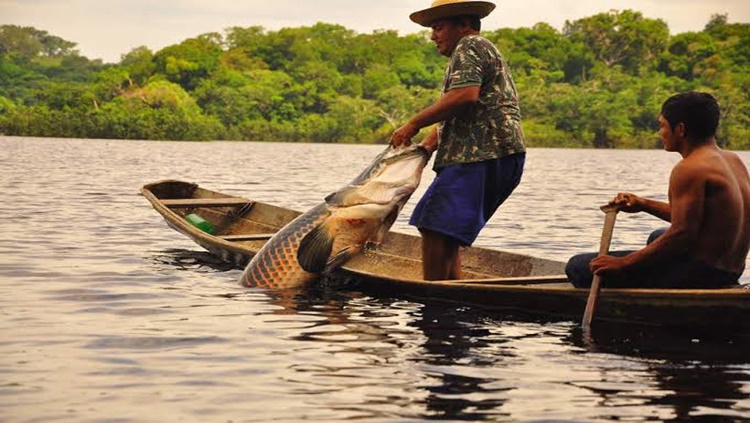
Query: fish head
[(366, 209), (394, 160), (390, 179)]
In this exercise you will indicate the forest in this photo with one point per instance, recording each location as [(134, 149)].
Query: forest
[(597, 83)]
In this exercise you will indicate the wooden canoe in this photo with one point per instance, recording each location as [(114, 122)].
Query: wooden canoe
[(494, 279)]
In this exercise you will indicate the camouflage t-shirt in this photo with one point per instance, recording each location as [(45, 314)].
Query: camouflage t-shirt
[(491, 128)]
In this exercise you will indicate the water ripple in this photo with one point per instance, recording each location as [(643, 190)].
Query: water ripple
[(108, 315)]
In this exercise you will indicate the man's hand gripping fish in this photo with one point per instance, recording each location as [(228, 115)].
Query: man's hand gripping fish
[(325, 237)]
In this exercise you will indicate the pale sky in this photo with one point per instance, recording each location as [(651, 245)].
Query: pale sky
[(106, 29)]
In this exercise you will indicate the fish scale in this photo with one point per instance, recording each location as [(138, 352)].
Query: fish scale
[(277, 262)]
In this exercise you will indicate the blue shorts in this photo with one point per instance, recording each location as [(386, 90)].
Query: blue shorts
[(463, 197)]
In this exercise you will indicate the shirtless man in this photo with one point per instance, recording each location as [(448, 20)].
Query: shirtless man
[(707, 242)]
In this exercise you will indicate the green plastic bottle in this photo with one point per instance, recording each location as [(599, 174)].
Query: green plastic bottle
[(200, 223)]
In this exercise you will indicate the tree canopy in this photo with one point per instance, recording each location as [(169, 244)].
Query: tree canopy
[(599, 82)]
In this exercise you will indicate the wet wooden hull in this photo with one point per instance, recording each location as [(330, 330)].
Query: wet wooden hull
[(494, 279)]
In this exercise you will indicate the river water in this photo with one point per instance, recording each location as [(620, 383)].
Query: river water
[(107, 315)]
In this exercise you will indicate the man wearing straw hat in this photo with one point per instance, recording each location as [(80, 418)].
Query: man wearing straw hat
[(478, 136)]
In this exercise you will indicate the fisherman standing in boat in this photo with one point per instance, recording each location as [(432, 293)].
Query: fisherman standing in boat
[(707, 243), (478, 138)]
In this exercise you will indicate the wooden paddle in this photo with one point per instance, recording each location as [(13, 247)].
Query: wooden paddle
[(610, 213)]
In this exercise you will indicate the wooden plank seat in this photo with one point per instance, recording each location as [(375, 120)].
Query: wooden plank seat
[(248, 237), (205, 202)]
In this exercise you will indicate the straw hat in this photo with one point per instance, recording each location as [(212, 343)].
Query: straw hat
[(441, 9)]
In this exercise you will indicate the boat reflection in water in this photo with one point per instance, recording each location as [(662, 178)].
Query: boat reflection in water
[(432, 360)]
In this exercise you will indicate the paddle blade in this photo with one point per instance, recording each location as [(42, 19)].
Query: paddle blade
[(609, 226), (588, 314)]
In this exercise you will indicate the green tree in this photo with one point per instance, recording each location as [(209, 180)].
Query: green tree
[(598, 83), (139, 64), (685, 54), (191, 61), (159, 110), (529, 50), (378, 78), (624, 38), (248, 39), (396, 104), (29, 42)]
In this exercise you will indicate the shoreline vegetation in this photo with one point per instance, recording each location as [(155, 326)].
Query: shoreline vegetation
[(598, 83)]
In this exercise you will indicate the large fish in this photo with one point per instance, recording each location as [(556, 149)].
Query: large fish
[(326, 236)]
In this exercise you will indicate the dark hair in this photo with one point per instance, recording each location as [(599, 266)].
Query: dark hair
[(699, 112), (474, 22)]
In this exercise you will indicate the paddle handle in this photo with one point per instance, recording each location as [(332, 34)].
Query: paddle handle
[(610, 214)]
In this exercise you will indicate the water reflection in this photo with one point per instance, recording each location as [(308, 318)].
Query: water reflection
[(366, 347), (699, 371), (454, 338), (370, 332), (462, 364), (196, 261)]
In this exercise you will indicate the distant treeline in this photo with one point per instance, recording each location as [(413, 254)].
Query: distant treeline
[(598, 83)]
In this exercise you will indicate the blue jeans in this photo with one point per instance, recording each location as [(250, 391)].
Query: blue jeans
[(679, 272)]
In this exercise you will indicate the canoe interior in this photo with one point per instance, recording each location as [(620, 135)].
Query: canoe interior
[(399, 256)]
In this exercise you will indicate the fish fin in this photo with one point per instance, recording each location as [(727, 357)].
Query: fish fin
[(390, 220), (378, 237), (353, 195), (338, 259), (314, 249), (338, 198)]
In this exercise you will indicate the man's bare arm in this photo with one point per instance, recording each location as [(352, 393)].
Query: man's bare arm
[(632, 203), (687, 197), (448, 105), (658, 209)]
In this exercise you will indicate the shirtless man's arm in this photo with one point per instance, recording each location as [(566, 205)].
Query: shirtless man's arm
[(685, 211), (632, 203)]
